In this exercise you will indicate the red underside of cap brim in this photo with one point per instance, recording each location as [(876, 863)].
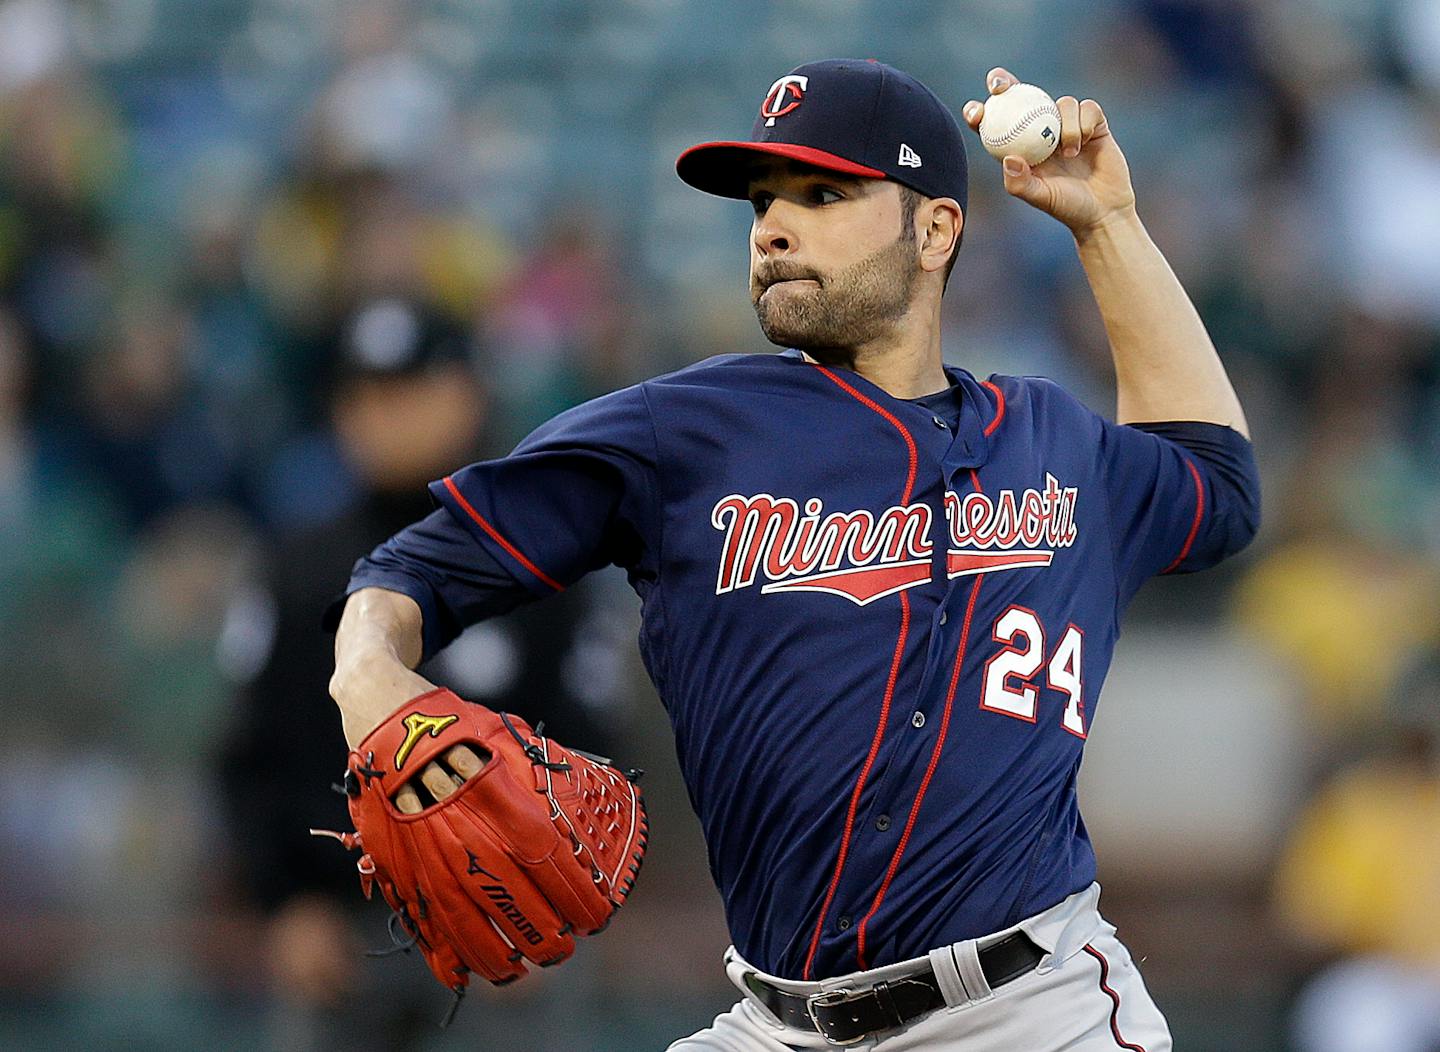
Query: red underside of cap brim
[(722, 168)]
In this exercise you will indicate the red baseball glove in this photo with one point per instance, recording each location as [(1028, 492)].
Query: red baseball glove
[(535, 845)]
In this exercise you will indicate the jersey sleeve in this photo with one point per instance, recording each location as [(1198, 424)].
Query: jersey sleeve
[(437, 563), (576, 495), (1183, 496)]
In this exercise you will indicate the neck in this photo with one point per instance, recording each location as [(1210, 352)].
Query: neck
[(905, 362)]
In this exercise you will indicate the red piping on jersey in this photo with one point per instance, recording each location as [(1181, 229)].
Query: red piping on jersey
[(515, 552), (870, 403), (889, 683), (1114, 999), (1199, 513), (999, 408), (930, 769)]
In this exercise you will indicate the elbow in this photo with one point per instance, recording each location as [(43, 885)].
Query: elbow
[(1242, 517), (1245, 526), (1252, 514)]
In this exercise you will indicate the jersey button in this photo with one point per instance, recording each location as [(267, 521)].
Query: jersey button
[(843, 923), (917, 720), (882, 823), (944, 616), (940, 423)]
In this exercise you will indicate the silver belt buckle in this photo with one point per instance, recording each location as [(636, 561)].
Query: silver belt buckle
[(829, 999)]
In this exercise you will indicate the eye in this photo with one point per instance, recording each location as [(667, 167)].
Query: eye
[(760, 200), (825, 195)]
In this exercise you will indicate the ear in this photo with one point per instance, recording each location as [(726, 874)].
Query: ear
[(939, 222)]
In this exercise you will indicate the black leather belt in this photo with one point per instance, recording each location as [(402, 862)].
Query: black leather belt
[(845, 1017)]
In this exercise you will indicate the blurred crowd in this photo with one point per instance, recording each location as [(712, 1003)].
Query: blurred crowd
[(268, 265)]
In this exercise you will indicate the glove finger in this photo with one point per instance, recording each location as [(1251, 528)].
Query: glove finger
[(484, 949), (409, 893), (433, 855), (440, 957), (481, 881), (454, 934), (493, 957), (604, 837), (568, 881), (503, 800), (499, 808)]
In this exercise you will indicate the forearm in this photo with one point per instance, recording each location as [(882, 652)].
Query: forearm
[(377, 646), (1166, 367)]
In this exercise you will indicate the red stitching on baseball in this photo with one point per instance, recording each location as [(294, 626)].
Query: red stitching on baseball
[(1020, 126)]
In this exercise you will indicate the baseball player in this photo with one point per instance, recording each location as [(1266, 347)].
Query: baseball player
[(880, 596)]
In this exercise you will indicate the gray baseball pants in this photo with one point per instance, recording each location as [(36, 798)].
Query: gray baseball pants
[(1085, 995)]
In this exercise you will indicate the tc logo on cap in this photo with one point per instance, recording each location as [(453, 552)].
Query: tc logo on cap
[(784, 95)]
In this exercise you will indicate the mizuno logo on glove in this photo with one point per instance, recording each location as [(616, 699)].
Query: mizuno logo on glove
[(417, 724)]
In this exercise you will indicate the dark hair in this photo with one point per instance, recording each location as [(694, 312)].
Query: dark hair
[(909, 202)]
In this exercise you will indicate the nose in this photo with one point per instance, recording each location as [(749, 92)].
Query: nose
[(774, 235)]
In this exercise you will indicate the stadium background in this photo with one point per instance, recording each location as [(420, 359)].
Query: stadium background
[(193, 191)]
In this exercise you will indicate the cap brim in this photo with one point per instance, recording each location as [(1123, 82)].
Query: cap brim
[(723, 168)]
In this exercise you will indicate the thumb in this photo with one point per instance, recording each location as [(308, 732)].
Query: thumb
[(1020, 181)]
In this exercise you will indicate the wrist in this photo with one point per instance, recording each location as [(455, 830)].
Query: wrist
[(369, 686), (1116, 221)]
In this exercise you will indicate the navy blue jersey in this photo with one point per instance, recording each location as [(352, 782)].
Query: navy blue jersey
[(879, 628)]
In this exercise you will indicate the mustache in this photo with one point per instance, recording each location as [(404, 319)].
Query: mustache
[(770, 273)]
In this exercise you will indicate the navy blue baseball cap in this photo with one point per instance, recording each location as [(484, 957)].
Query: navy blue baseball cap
[(856, 116), (394, 336)]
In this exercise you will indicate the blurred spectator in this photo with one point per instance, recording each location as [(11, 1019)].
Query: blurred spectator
[(407, 405), (58, 259), (64, 545), (1383, 251), (167, 608), (561, 328), (143, 434), (1359, 885), (389, 107), (330, 237), (1346, 591)]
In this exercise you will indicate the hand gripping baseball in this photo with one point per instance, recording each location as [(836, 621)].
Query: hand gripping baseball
[(1085, 182), (527, 845)]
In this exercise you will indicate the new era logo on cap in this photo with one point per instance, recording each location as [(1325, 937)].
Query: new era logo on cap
[(845, 115)]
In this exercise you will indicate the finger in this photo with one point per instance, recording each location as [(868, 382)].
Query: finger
[(1021, 181), (463, 761), (1092, 121), (408, 801), (1069, 108), (439, 781), (973, 112), (998, 79)]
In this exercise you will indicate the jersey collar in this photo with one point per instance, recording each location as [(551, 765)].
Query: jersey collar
[(970, 447)]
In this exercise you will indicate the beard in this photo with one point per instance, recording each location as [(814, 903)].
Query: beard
[(832, 317)]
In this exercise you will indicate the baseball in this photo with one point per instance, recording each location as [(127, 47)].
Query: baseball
[(1023, 121)]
